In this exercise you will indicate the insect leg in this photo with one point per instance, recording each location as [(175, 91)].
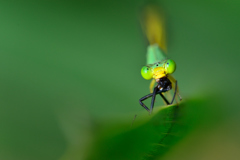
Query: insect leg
[(144, 98), (160, 92), (153, 99), (174, 92), (173, 80)]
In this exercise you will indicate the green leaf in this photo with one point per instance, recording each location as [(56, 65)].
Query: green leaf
[(146, 138), (149, 136)]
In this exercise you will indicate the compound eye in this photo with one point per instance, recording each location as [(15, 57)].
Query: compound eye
[(170, 66), (146, 73)]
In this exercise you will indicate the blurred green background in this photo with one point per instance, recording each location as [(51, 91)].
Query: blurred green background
[(64, 65)]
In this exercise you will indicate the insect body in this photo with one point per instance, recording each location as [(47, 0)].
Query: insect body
[(159, 69)]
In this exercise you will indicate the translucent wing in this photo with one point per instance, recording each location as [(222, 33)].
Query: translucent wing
[(153, 25)]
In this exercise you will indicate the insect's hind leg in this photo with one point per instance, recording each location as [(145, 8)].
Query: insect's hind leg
[(174, 92), (173, 80)]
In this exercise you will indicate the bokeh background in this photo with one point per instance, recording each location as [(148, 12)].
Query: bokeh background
[(67, 64)]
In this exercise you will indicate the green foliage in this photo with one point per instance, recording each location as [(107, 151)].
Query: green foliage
[(148, 137), (151, 136), (137, 141), (70, 81)]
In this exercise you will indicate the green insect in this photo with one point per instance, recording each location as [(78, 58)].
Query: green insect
[(159, 67)]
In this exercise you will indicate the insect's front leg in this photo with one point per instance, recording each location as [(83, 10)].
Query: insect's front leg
[(153, 95), (153, 98), (163, 97), (144, 98)]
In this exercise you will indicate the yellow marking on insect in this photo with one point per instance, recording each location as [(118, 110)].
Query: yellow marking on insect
[(152, 85), (159, 72)]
